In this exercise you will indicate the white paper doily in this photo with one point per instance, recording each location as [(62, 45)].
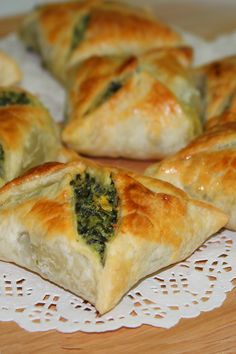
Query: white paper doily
[(198, 284), (183, 291)]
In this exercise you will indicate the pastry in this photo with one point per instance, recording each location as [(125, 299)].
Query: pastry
[(143, 107), (217, 83), (66, 34), (28, 135), (220, 121), (97, 231), (10, 73), (205, 169)]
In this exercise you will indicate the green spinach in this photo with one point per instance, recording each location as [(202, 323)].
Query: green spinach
[(8, 98), (96, 207), (109, 91), (2, 155), (79, 31)]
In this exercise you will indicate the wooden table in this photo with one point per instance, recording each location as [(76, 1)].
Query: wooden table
[(210, 333)]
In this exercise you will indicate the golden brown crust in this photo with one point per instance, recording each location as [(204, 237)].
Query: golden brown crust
[(54, 215), (92, 77), (146, 211), (49, 30), (219, 86), (56, 18), (122, 32), (158, 186), (220, 120), (15, 120)]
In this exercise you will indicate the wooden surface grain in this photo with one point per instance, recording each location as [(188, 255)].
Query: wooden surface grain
[(210, 333)]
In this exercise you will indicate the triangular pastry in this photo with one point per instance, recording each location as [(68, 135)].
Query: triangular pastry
[(205, 169), (97, 231), (144, 107)]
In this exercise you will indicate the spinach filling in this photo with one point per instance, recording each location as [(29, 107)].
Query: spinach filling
[(110, 90), (79, 31), (1, 161), (8, 98), (96, 207)]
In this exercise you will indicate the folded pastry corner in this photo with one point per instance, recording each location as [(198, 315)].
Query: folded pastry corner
[(97, 231)]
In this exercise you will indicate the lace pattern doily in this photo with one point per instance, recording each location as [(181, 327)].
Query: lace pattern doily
[(198, 284)]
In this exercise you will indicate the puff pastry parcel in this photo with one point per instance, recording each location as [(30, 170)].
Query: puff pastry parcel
[(206, 168), (68, 33), (28, 135), (96, 231), (138, 107), (217, 82)]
